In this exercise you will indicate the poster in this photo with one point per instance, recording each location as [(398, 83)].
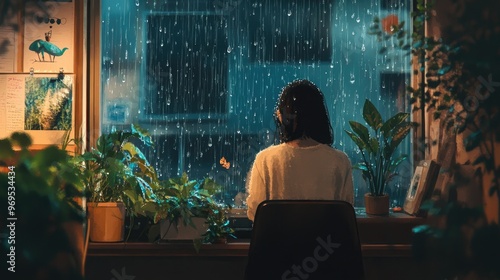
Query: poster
[(42, 106), (49, 37)]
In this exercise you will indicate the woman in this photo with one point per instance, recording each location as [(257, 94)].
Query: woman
[(303, 165)]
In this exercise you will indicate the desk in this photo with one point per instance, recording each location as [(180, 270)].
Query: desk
[(386, 247)]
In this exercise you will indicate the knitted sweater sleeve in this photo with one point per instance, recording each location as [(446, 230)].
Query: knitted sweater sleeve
[(348, 186), (256, 190)]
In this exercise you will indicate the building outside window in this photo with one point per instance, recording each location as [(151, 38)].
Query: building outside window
[(203, 77)]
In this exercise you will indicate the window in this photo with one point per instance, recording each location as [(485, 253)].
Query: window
[(203, 77), (278, 37), (187, 66)]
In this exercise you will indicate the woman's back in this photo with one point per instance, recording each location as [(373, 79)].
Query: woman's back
[(289, 172)]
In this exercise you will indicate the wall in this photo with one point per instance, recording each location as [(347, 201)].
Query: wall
[(452, 18)]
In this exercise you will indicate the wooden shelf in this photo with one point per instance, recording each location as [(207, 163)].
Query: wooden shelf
[(379, 235)]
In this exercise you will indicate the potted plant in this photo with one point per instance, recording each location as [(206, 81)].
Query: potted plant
[(377, 149), (118, 178), (219, 228), (183, 206), (39, 191)]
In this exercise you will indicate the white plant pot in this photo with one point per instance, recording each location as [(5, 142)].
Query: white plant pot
[(170, 231)]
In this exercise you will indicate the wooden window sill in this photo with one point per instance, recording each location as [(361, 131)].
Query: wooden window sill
[(379, 235)]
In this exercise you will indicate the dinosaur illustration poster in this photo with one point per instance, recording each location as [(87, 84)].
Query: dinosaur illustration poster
[(41, 105), (49, 38)]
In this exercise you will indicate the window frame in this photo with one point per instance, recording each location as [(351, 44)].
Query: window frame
[(419, 150)]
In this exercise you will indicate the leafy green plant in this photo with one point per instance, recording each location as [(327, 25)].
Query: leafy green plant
[(377, 148), (117, 170), (219, 228), (181, 198), (458, 73), (40, 189)]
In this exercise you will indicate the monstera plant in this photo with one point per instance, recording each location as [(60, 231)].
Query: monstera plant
[(377, 143)]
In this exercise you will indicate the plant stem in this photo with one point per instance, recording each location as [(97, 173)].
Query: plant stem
[(368, 166)]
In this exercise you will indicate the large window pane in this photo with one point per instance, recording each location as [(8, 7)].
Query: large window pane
[(203, 76)]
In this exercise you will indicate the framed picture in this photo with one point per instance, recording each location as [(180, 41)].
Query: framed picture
[(421, 186)]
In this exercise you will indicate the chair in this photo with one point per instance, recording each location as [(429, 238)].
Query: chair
[(304, 239)]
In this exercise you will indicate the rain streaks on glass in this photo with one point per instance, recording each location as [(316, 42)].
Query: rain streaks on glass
[(203, 76)]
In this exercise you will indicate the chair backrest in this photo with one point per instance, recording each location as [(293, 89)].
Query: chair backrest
[(304, 239)]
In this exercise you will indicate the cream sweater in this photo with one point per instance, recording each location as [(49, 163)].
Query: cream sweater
[(286, 172)]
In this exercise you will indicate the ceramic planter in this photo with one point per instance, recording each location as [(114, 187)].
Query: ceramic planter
[(106, 221), (377, 205), (171, 231)]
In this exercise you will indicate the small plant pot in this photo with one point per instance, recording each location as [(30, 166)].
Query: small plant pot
[(377, 205), (220, 240), (106, 221), (180, 231)]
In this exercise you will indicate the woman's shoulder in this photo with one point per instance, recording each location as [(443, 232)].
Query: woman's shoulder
[(271, 150), (341, 155)]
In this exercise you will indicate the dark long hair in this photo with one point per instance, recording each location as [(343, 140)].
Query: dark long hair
[(303, 113)]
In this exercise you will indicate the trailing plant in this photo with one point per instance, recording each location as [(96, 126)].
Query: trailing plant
[(378, 147)]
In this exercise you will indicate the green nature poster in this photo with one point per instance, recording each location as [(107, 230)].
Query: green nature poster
[(48, 104), (42, 106)]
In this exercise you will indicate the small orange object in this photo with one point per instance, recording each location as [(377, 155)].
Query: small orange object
[(224, 163), (389, 22), (397, 209)]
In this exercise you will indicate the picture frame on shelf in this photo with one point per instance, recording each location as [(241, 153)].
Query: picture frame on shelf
[(421, 186)]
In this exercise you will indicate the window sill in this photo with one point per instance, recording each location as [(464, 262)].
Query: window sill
[(395, 228), (379, 235), (231, 249), (385, 245)]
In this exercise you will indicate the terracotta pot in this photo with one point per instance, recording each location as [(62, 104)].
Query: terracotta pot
[(106, 221), (377, 205)]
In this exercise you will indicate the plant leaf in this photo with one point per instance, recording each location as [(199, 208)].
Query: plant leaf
[(397, 161), (373, 145), (392, 123), (372, 115), (399, 134), (21, 139), (473, 140), (6, 150), (360, 130), (361, 145)]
